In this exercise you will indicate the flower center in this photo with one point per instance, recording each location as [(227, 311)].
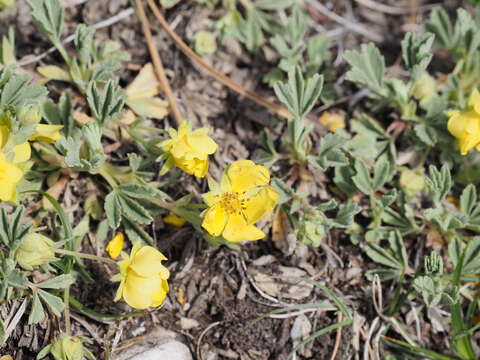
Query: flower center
[(232, 202)]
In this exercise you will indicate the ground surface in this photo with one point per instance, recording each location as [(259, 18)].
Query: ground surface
[(213, 301)]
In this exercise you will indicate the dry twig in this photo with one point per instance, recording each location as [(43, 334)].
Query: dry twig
[(225, 80), (157, 63), (338, 338)]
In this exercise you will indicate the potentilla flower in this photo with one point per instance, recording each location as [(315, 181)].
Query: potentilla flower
[(188, 150), (143, 278), (241, 199), (465, 125), (10, 175), (46, 133)]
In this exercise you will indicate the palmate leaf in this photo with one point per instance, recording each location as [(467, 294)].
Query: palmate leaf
[(107, 104), (296, 94), (439, 182), (48, 16), (330, 152), (37, 313), (416, 50), (19, 90), (440, 25), (368, 68)]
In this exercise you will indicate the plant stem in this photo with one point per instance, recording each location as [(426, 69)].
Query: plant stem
[(103, 172), (161, 203), (86, 256), (66, 311)]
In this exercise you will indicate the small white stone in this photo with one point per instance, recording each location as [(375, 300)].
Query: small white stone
[(172, 350)]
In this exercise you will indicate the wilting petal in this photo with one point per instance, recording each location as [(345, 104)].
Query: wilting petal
[(245, 174), (237, 230), (202, 143), (214, 220)]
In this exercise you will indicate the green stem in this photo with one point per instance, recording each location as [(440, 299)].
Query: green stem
[(86, 256), (103, 171), (66, 311)]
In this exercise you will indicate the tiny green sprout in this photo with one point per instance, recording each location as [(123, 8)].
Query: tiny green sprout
[(433, 264), (35, 250), (205, 43)]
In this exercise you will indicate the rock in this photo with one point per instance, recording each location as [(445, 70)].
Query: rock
[(173, 350), (160, 344)]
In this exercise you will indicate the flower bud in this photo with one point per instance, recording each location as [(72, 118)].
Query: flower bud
[(424, 87), (35, 250), (69, 348), (29, 114)]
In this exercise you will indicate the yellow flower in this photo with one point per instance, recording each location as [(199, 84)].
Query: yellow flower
[(465, 125), (188, 150), (22, 152), (241, 199), (332, 121), (143, 278), (10, 175), (174, 219), (47, 133), (114, 247)]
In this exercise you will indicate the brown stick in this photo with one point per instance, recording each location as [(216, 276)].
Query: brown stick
[(338, 338), (225, 80), (157, 63)]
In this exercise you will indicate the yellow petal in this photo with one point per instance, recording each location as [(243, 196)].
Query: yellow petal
[(196, 167), (22, 152), (214, 220), (261, 204), (114, 247), (147, 261), (138, 291), (211, 198), (237, 230), (10, 175), (47, 133), (202, 143), (159, 296), (457, 124), (245, 174)]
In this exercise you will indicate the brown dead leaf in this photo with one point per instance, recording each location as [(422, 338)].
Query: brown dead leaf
[(280, 232)]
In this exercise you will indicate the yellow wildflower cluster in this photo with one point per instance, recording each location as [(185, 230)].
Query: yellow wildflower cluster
[(465, 125)]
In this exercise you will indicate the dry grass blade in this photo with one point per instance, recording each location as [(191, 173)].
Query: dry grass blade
[(277, 109), (157, 63)]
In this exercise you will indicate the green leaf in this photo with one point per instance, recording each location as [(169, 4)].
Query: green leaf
[(379, 255), (330, 153), (3, 333), (37, 313), (58, 282), (427, 134), (48, 15), (362, 178), (113, 209), (368, 68), (134, 211), (19, 91), (416, 50), (84, 43), (471, 259), (381, 172), (54, 303), (297, 95), (61, 114), (345, 215), (439, 182), (440, 25), (397, 245), (17, 279), (137, 191), (105, 105), (468, 199), (455, 250)]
